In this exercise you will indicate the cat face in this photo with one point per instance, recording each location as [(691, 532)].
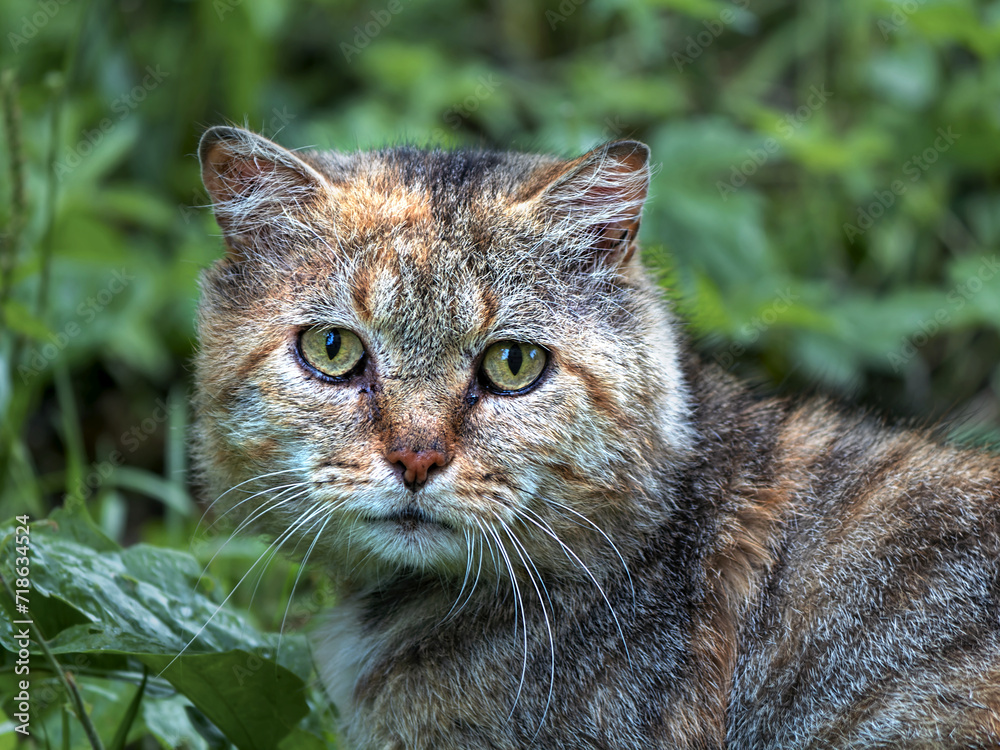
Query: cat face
[(430, 361)]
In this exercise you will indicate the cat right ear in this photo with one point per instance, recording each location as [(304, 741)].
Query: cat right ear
[(257, 187), (597, 200)]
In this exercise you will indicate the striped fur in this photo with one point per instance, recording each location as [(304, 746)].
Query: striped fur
[(638, 552)]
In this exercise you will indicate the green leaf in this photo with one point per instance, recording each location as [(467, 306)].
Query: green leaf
[(169, 493), (302, 740), (207, 731), (701, 9), (168, 721), (107, 603), (130, 204), (253, 702)]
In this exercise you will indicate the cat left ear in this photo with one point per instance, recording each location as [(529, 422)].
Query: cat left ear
[(256, 186), (600, 197)]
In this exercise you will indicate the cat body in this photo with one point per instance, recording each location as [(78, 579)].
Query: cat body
[(447, 378)]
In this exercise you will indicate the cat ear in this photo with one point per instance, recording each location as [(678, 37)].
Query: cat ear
[(257, 187), (599, 198)]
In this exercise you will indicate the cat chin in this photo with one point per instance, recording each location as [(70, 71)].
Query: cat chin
[(405, 545)]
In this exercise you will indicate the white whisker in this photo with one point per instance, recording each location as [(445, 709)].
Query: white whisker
[(607, 538), (571, 555), (289, 532), (263, 509), (282, 487), (465, 580), (328, 511), (277, 543), (236, 487), (518, 606), (529, 565)]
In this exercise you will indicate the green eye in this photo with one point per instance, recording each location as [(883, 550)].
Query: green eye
[(335, 352), (510, 366)]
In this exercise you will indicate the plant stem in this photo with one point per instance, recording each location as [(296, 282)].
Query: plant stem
[(10, 245), (61, 85), (64, 677), (10, 242)]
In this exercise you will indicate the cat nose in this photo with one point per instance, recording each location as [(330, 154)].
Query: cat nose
[(417, 465)]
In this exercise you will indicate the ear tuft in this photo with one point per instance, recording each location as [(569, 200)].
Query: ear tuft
[(255, 184), (600, 197)]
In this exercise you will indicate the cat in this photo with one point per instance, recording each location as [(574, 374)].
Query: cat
[(447, 377)]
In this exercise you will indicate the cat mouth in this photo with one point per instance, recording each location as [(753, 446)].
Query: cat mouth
[(411, 517)]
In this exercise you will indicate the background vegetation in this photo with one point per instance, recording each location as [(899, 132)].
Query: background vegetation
[(826, 215)]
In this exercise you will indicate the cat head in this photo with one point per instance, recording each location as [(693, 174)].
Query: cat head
[(421, 360)]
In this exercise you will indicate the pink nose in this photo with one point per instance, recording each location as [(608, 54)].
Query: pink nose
[(417, 464)]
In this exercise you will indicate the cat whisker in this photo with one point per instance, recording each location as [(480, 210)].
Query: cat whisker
[(266, 507), (465, 580), (291, 531), (607, 538), (479, 570), (479, 567), (371, 552), (328, 511), (276, 544), (270, 555), (518, 606), (298, 523), (496, 566), (573, 557), (556, 504), (539, 586), (282, 487), (236, 487), (272, 551), (362, 561), (472, 554), (350, 536)]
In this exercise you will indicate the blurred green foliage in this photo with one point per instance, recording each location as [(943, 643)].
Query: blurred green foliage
[(826, 212)]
